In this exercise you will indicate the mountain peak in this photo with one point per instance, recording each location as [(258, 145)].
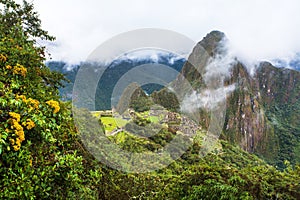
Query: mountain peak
[(213, 41), (217, 35)]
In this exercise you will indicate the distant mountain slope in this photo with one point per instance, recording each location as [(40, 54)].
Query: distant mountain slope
[(70, 74), (292, 63), (280, 97), (262, 113), (113, 73)]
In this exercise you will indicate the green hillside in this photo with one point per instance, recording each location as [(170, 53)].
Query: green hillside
[(261, 113), (43, 156), (227, 172)]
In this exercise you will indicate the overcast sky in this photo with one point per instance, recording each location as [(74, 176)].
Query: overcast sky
[(258, 29)]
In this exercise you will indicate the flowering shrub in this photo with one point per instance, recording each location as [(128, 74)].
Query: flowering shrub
[(20, 70), (54, 105), (2, 58), (29, 124), (39, 154), (18, 131)]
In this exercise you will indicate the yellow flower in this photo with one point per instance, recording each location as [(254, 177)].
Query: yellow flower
[(20, 134), (8, 67), (16, 147), (20, 70), (35, 103), (38, 71), (3, 58), (17, 143), (54, 104), (18, 47), (17, 126), (12, 141), (29, 124), (18, 129), (22, 97), (15, 116)]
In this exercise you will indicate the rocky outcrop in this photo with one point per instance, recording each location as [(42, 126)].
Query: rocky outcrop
[(263, 110)]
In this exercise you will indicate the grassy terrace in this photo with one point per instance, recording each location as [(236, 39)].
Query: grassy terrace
[(112, 123)]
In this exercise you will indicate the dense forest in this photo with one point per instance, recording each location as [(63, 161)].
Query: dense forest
[(42, 156)]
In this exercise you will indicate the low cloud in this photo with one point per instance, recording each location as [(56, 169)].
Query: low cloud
[(208, 99), (153, 55), (258, 30), (219, 66), (217, 70), (149, 55)]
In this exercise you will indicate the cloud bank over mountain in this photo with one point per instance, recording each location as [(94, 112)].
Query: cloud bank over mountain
[(258, 30)]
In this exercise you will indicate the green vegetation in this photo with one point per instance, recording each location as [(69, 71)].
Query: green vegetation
[(111, 123), (42, 156), (141, 104), (282, 107), (154, 119), (166, 99), (226, 173), (229, 174)]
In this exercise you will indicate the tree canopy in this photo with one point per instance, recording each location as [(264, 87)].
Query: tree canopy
[(41, 156), (38, 158)]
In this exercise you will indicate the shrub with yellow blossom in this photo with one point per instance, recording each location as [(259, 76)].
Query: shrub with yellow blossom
[(32, 103), (29, 124), (3, 58), (8, 67), (22, 97), (38, 157), (15, 116), (20, 70), (18, 130), (54, 105)]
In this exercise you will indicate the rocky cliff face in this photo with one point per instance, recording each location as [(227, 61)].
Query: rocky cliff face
[(246, 122), (262, 113), (279, 92)]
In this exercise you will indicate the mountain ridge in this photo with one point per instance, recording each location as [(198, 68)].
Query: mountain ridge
[(115, 69), (261, 113), (250, 120)]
